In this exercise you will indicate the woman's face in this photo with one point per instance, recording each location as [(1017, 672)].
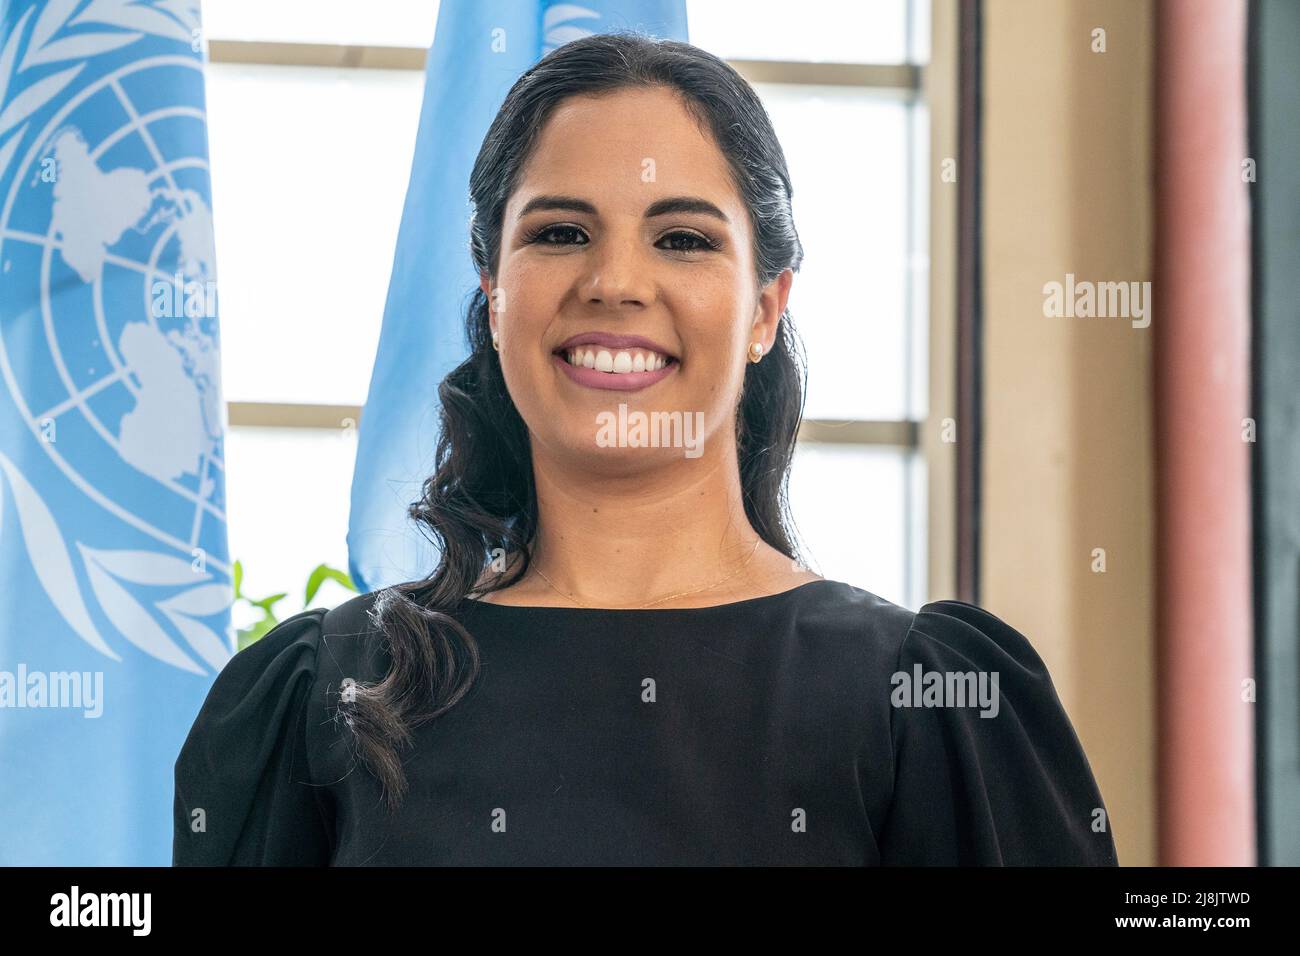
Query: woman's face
[(626, 237)]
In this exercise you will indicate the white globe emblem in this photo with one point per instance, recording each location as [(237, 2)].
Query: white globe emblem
[(112, 229)]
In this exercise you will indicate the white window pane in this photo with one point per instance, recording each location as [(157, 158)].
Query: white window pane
[(309, 173), (918, 549), (856, 511), (373, 23), (919, 272), (920, 31), (831, 31), (287, 491), (848, 156)]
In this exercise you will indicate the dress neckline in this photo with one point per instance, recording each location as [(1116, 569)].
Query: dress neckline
[(652, 610)]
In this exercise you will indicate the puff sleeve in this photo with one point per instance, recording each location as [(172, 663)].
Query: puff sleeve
[(244, 796), (999, 781)]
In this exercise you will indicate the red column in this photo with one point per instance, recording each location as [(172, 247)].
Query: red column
[(1201, 328)]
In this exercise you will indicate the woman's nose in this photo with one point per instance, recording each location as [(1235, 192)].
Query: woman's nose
[(619, 276)]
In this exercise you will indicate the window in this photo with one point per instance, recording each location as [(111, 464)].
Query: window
[(323, 195)]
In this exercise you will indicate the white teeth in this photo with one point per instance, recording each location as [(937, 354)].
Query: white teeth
[(617, 362)]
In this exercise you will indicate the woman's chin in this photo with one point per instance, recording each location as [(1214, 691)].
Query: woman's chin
[(625, 437)]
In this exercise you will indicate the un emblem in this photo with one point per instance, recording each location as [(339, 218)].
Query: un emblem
[(109, 345)]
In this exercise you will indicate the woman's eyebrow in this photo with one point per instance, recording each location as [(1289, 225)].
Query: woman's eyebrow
[(662, 207), (568, 203), (677, 204)]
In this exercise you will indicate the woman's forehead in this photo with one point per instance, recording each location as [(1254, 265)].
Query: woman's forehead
[(624, 142)]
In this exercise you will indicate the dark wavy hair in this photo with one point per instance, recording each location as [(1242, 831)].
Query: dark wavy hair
[(480, 504)]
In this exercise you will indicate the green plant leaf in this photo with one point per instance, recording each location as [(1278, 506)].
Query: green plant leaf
[(250, 635), (267, 603), (320, 575)]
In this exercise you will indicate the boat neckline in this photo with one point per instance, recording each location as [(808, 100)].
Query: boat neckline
[(653, 610)]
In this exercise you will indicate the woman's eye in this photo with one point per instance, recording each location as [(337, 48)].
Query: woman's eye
[(693, 242), (540, 236), (566, 235)]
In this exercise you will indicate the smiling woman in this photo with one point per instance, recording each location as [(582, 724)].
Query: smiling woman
[(619, 658), (657, 242)]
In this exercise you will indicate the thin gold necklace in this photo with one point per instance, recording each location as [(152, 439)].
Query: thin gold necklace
[(573, 597)]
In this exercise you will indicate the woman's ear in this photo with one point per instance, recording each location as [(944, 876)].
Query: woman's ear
[(771, 304)]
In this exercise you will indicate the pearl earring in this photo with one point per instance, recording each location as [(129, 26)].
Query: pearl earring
[(496, 342), (755, 351)]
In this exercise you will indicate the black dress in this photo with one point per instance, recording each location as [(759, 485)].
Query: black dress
[(775, 731)]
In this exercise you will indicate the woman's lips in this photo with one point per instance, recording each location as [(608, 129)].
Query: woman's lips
[(614, 381)]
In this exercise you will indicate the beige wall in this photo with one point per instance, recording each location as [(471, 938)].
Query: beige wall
[(1068, 428)]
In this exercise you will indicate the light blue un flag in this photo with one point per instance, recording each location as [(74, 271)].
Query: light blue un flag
[(479, 50), (115, 585)]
